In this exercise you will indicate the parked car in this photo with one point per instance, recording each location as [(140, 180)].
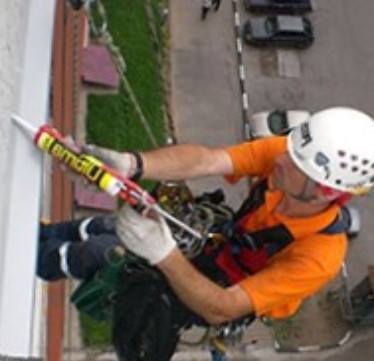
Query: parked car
[(276, 122), (279, 30), (279, 6)]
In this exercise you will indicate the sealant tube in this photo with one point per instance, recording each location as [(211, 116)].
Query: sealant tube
[(51, 142)]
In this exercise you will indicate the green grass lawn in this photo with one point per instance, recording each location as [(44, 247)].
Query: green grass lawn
[(95, 334), (112, 120)]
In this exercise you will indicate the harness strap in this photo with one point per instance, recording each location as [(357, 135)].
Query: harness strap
[(253, 201), (248, 252), (339, 225), (238, 257), (274, 238)]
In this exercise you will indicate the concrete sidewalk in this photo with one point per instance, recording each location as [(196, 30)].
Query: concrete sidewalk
[(204, 80)]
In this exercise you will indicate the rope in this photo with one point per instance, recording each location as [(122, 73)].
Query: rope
[(160, 57)]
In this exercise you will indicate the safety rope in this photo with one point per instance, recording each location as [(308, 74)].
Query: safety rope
[(161, 51)]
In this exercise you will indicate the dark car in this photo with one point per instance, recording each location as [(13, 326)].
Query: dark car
[(280, 30), (279, 6)]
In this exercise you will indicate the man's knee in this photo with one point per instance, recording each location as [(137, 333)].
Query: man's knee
[(86, 258), (59, 259)]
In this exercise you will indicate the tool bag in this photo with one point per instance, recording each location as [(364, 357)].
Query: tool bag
[(95, 297), (147, 316)]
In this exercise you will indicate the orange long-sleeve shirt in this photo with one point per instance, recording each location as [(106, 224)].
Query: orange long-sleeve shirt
[(305, 265)]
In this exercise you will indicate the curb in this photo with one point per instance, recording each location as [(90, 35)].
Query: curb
[(241, 71)]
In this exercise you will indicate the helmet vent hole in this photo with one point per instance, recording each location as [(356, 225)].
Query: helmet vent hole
[(365, 161), (338, 181), (364, 172), (343, 165), (354, 169), (341, 153), (354, 157)]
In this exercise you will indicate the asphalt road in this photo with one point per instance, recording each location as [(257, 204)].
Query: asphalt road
[(336, 70)]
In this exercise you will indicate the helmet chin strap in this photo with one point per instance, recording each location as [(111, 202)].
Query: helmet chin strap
[(307, 193)]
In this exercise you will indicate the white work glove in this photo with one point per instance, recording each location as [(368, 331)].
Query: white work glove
[(127, 163), (147, 238)]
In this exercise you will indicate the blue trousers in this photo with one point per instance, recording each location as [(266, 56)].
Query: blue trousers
[(80, 259)]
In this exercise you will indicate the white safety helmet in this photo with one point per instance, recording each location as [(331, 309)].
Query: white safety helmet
[(335, 148)]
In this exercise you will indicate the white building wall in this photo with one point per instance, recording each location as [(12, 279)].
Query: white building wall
[(26, 29)]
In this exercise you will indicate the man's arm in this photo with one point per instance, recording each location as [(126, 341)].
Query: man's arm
[(214, 303), (152, 240), (177, 162), (185, 162)]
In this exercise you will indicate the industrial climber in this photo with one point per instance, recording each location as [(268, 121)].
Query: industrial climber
[(285, 242), (306, 176)]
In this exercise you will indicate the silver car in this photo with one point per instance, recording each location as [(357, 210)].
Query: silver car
[(276, 122)]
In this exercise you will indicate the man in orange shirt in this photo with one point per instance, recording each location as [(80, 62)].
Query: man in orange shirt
[(308, 174), (287, 240)]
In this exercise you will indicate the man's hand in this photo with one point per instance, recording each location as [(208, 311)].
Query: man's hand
[(129, 164), (147, 238)]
